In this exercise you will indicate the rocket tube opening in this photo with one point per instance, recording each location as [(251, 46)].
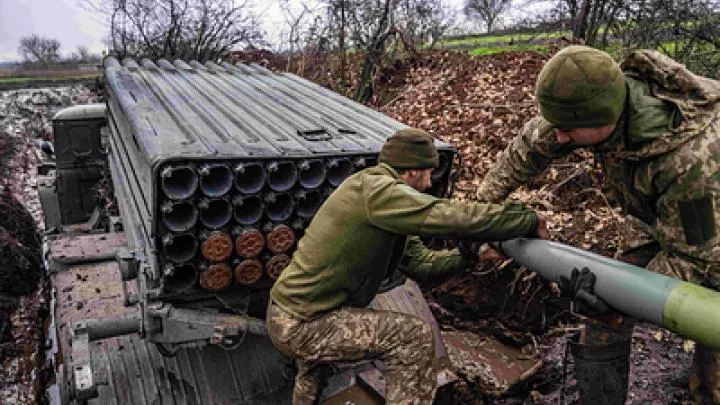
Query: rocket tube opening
[(311, 173), (276, 265), (281, 239), (180, 278), (250, 243), (281, 175), (442, 168), (216, 277), (338, 169), (216, 246), (308, 202), (250, 177), (279, 206), (248, 272), (180, 248), (215, 212), (215, 179), (371, 161), (248, 209), (179, 216), (179, 182)]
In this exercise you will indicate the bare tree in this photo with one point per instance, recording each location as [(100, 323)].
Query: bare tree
[(373, 26), (37, 49), (185, 29), (487, 11), (83, 55)]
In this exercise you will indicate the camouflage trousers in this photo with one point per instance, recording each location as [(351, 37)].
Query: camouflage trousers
[(404, 342)]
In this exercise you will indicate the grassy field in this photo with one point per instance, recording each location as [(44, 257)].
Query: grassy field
[(484, 40), (481, 45), (490, 50)]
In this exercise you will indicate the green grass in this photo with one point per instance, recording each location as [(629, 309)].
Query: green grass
[(491, 50), (491, 39)]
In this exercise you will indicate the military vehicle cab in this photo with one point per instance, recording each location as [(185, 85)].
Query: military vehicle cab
[(171, 209)]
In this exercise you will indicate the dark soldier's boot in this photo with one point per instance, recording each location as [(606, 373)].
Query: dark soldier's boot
[(310, 380), (705, 376)]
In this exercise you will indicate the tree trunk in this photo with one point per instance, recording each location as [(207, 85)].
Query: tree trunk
[(374, 51), (580, 21)]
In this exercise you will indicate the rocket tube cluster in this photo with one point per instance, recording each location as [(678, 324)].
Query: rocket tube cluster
[(230, 223)]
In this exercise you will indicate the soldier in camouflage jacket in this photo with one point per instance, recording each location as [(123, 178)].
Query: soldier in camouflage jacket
[(364, 231), (655, 128)]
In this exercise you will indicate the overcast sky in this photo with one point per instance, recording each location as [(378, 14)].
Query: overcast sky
[(68, 22), (72, 25)]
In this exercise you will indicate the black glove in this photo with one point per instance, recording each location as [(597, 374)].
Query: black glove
[(469, 249), (581, 288)]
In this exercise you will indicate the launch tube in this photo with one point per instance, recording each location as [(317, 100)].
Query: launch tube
[(279, 206), (281, 175), (179, 216), (215, 179), (248, 209), (250, 177), (215, 212), (180, 248), (338, 169), (443, 167), (688, 309), (308, 202), (311, 173), (180, 278), (179, 182)]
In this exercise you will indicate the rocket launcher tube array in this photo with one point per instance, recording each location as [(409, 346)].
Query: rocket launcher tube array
[(215, 179), (337, 170), (688, 309)]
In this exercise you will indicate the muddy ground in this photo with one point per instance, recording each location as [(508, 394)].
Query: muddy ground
[(477, 104)]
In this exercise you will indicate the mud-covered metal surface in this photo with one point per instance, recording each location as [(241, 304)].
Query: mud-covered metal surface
[(495, 367), (85, 248), (130, 370)]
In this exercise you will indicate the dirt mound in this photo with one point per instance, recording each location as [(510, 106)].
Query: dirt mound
[(25, 119)]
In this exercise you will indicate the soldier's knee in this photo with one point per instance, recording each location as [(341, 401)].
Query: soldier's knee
[(421, 340)]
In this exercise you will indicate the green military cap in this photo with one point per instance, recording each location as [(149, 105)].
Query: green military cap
[(410, 148), (581, 87)]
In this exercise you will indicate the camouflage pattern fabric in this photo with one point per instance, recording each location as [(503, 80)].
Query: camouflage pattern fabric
[(406, 343), (662, 164)]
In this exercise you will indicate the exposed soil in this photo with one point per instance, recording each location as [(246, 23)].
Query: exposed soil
[(24, 121)]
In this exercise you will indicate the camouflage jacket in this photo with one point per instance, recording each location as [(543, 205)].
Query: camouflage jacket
[(662, 162), (365, 228)]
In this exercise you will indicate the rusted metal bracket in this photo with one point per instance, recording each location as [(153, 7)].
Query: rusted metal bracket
[(181, 326)]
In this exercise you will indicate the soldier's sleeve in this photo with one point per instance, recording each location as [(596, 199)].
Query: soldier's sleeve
[(398, 208), (422, 263), (688, 216), (528, 154)]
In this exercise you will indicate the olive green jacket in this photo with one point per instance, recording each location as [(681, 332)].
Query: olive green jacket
[(365, 228), (662, 162)]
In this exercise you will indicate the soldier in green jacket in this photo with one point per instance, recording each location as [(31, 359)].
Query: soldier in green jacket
[(655, 128), (365, 230)]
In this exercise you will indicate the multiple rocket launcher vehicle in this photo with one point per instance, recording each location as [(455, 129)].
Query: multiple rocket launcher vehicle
[(216, 172)]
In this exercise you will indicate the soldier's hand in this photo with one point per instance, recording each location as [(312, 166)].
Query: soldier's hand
[(488, 254), (542, 230), (581, 288)]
